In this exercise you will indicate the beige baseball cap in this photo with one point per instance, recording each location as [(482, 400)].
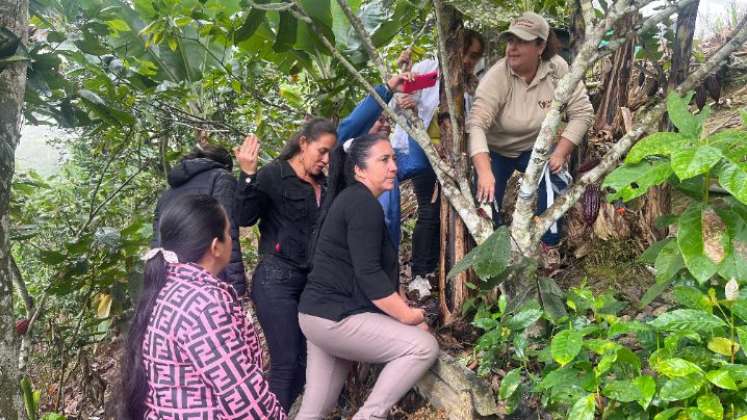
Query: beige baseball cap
[(528, 26)]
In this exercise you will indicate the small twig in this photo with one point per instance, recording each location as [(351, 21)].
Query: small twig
[(270, 7)]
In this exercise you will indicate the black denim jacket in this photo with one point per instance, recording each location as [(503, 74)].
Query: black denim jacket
[(285, 207)]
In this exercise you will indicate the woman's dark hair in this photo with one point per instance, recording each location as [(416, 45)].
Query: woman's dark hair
[(552, 45), (342, 174), (470, 35), (311, 131), (209, 151), (187, 226)]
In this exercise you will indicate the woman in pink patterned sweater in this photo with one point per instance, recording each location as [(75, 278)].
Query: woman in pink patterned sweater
[(191, 354)]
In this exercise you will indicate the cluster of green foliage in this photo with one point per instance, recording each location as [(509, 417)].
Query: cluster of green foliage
[(689, 361)]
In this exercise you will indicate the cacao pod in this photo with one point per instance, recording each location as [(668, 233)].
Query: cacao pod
[(591, 201), (713, 85), (700, 97), (587, 165), (22, 325)]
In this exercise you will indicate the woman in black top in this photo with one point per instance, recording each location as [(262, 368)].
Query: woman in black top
[(284, 196), (351, 309)]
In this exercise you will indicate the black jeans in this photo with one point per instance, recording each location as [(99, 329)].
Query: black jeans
[(276, 289), (426, 238)]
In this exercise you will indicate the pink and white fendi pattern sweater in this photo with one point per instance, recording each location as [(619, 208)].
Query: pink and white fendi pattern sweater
[(201, 355)]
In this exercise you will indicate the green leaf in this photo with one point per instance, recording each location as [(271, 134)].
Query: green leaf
[(653, 292), (692, 298), (660, 144), (485, 323), (689, 162), (733, 177), (252, 22), (510, 383), (646, 386), (650, 254), (565, 346), (489, 259), (51, 257), (742, 334), (667, 414), (286, 35), (118, 25), (679, 113), (676, 367), (687, 320), (668, 263), (623, 391), (731, 142), (681, 387), (583, 408), (711, 406), (722, 379), (690, 242), (723, 346), (630, 181), (523, 319)]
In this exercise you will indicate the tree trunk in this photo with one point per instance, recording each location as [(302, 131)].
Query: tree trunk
[(14, 17), (454, 236), (577, 28), (683, 44)]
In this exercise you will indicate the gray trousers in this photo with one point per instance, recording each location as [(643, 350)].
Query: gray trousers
[(332, 346)]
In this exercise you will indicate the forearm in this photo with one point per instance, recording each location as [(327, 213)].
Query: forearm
[(396, 307), (481, 161), (564, 147), (248, 202)]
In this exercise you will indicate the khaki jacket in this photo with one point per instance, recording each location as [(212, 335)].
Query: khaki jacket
[(507, 112)]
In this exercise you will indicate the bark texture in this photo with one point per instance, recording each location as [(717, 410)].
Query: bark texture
[(14, 17), (454, 238)]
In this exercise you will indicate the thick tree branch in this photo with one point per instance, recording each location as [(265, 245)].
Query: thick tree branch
[(373, 54), (28, 302), (649, 123)]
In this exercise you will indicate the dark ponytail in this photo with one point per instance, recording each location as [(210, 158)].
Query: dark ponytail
[(311, 131), (342, 174), (187, 227)]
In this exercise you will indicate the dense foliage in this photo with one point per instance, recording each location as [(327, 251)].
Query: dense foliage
[(689, 361)]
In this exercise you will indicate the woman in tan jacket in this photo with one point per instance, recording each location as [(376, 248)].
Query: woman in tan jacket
[(510, 105)]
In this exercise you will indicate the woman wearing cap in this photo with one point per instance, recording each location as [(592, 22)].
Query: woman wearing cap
[(510, 104)]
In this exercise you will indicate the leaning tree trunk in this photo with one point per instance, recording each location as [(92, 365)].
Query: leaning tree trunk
[(454, 237), (14, 17)]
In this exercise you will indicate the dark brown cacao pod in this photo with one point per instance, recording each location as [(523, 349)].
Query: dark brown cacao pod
[(591, 202), (587, 165), (713, 86), (700, 97), (22, 325)]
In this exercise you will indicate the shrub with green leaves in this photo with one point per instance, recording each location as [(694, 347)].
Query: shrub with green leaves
[(688, 362)]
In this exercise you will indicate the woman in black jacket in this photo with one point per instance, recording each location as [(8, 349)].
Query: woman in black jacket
[(207, 170), (284, 197)]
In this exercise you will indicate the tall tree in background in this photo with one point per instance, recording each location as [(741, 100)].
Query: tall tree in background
[(13, 18)]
